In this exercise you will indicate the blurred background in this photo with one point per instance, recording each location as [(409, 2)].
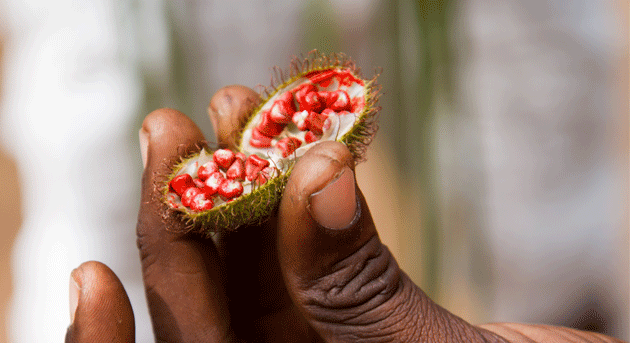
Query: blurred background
[(499, 177)]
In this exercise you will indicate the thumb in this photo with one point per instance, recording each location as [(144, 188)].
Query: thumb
[(344, 280), (100, 310)]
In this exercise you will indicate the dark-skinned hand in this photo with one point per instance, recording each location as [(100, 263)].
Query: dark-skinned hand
[(316, 271)]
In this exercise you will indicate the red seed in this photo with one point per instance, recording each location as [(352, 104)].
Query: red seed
[(236, 170), (213, 183), (299, 118), (328, 97), (189, 194), (282, 109), (347, 79), (207, 191), (204, 189), (258, 161), (259, 140), (230, 189), (358, 103), (315, 121), (264, 175), (303, 89), (198, 183), (268, 127), (288, 98), (310, 137), (224, 158), (313, 102), (251, 170), (201, 203), (300, 94), (340, 101), (180, 183), (207, 169), (288, 145), (253, 165), (322, 76)]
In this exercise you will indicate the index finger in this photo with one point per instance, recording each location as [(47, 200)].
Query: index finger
[(182, 274), (228, 110), (257, 293)]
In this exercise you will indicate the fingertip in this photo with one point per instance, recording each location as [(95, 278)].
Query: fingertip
[(334, 151), (317, 168), (99, 306), (159, 122), (232, 100), (321, 207), (94, 274), (168, 134), (229, 109), (335, 205), (74, 294), (181, 274)]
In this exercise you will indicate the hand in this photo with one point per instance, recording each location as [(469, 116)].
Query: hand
[(316, 271)]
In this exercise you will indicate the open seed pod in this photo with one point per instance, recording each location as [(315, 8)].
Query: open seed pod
[(321, 97)]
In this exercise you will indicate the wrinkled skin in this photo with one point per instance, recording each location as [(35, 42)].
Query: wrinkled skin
[(289, 280)]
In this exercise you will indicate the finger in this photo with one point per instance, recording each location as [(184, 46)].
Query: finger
[(182, 273), (100, 310), (229, 110), (260, 306), (343, 279), (249, 250)]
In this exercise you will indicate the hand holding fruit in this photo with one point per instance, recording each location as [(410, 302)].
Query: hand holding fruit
[(322, 98), (315, 271)]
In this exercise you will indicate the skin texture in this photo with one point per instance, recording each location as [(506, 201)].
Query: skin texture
[(228, 111), (101, 309), (289, 280)]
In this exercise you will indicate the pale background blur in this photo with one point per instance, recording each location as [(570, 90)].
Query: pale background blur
[(498, 178)]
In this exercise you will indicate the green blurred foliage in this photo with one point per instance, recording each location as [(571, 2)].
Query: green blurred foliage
[(410, 40), (323, 29)]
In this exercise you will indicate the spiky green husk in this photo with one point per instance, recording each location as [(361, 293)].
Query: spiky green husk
[(251, 209), (366, 126), (361, 135), (257, 206)]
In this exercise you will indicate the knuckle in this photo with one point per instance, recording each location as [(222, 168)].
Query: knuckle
[(365, 291), (370, 273)]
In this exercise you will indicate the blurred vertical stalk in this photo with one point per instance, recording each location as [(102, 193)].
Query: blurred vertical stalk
[(323, 32), (404, 128), (431, 90), (409, 38)]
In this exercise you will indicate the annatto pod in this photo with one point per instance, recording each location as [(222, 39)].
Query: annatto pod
[(320, 98)]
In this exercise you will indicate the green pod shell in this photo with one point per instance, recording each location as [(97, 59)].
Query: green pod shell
[(335, 78)]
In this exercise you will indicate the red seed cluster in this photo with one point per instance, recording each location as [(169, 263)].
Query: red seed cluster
[(222, 177), (307, 107)]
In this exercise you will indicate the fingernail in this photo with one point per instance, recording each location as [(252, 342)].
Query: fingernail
[(74, 295), (144, 145), (335, 206)]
